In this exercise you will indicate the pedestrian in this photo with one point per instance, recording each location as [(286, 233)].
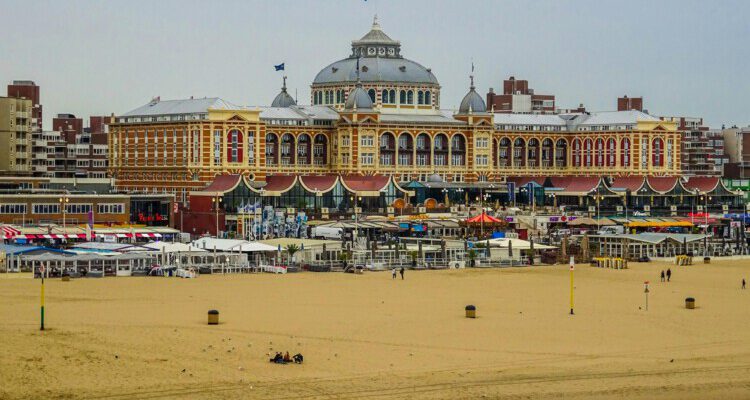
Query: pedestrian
[(669, 274), (743, 283), (393, 272), (662, 276), (402, 273)]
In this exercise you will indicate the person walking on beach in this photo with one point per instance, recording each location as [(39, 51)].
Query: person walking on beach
[(669, 274), (743, 283), (662, 276), (402, 273), (393, 272)]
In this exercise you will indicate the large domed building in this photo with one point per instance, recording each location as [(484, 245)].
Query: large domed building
[(392, 81)]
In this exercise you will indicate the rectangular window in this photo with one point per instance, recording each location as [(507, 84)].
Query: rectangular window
[(77, 208), (111, 208), (12, 208), (250, 148), (82, 163), (482, 143), (457, 159), (345, 140), (386, 159), (367, 159), (441, 159), (421, 159), (481, 160), (367, 141), (45, 208)]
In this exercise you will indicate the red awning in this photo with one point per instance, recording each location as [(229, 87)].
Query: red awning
[(624, 183), (662, 184), (365, 185), (575, 185), (703, 184), (277, 185), (223, 183), (318, 183)]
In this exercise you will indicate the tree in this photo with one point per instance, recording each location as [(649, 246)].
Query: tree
[(291, 249)]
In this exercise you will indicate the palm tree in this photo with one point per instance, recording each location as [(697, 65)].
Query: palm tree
[(291, 249)]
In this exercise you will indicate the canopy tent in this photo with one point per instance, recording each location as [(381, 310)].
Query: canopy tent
[(659, 224), (483, 218), (586, 221)]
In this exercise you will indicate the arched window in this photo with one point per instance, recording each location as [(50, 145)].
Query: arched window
[(402, 97), (420, 97), (587, 152), (427, 98), (410, 97), (611, 152), (576, 153), (384, 97), (392, 96), (625, 152), (599, 160), (234, 148), (371, 92), (658, 155)]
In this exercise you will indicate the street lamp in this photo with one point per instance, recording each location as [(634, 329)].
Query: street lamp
[(216, 202), (354, 200), (64, 206)]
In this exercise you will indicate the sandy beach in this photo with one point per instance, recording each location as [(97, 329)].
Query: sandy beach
[(368, 336)]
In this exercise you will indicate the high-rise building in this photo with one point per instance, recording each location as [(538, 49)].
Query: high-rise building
[(29, 90), (518, 98), (15, 135)]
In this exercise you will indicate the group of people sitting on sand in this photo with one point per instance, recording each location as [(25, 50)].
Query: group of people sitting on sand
[(285, 359)]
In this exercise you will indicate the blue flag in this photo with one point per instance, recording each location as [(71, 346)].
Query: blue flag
[(279, 67)]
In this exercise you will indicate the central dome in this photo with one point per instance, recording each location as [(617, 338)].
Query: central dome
[(382, 71)]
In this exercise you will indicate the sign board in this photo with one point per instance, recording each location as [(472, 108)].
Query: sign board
[(454, 209), (619, 208), (290, 211), (422, 210), (324, 210), (572, 263), (645, 287), (646, 208), (725, 207), (672, 208), (391, 210), (699, 207), (358, 210), (592, 209)]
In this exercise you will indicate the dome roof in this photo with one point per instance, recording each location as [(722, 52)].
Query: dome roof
[(375, 69), (283, 99), (472, 102), (358, 99), (380, 60)]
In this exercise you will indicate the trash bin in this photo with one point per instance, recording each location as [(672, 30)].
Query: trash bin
[(706, 260), (690, 303), (471, 311), (213, 317)]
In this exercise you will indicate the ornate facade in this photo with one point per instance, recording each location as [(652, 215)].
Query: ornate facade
[(377, 113)]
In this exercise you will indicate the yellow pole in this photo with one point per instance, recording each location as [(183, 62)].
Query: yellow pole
[(572, 267)]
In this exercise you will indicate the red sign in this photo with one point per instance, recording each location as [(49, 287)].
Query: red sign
[(698, 215), (150, 218)]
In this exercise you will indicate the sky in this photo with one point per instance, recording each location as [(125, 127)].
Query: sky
[(685, 57)]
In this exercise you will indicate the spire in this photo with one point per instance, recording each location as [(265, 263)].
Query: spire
[(283, 87), (375, 24), (471, 78)]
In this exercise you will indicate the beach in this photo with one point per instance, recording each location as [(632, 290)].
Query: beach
[(369, 336)]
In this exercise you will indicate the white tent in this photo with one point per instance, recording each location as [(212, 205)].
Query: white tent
[(170, 247), (230, 245), (518, 244)]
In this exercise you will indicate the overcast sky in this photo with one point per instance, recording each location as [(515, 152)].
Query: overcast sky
[(687, 58)]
